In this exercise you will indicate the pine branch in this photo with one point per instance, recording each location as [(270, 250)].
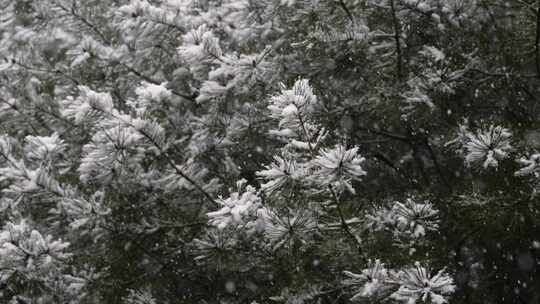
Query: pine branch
[(73, 13), (153, 81), (345, 226), (166, 155)]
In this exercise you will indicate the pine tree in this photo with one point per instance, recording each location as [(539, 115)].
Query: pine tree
[(258, 151)]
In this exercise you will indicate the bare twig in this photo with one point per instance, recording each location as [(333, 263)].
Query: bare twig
[(537, 41), (438, 167), (397, 34), (347, 11), (345, 226)]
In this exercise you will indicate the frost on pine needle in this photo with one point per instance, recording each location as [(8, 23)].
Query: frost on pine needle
[(149, 92), (86, 215), (293, 109), (379, 219), (44, 148), (210, 90), (89, 107), (215, 247), (119, 141), (125, 119), (89, 48), (237, 209), (434, 53), (20, 246), (139, 297), (486, 148), (309, 294), (148, 95), (21, 180), (338, 167), (199, 44), (416, 96), (171, 181), (235, 75), (109, 152), (289, 229), (416, 218), (407, 222), (371, 284), (28, 256), (417, 284), (279, 173), (531, 165)]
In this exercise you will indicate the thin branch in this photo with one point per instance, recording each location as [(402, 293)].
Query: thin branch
[(438, 167), (152, 81), (397, 34), (16, 109), (347, 11), (503, 75), (345, 226), (529, 6), (537, 41), (73, 13), (386, 134)]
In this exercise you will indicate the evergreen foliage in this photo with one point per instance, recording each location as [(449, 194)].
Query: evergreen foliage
[(269, 151)]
